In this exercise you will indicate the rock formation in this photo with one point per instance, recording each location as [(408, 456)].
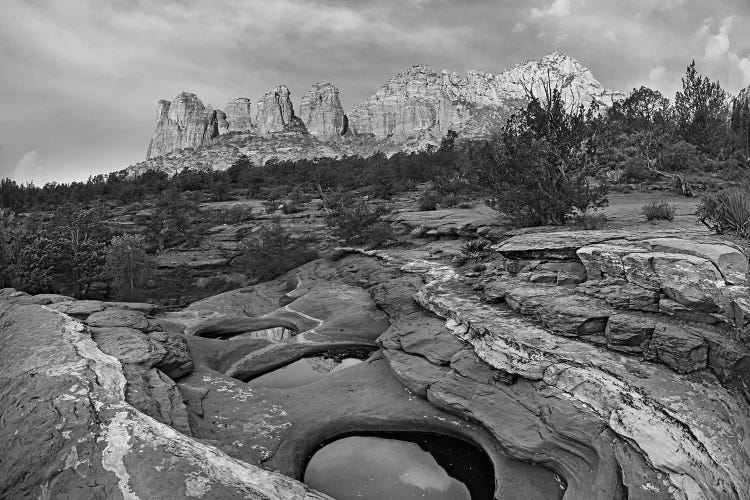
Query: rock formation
[(410, 103), (238, 114), (411, 110), (275, 111), (421, 99), (322, 113), (182, 123), (616, 361), (91, 415)]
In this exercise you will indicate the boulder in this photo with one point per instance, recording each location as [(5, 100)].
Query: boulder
[(604, 260), (620, 294), (691, 281), (553, 245), (732, 263), (628, 333), (681, 347), (156, 395), (118, 317), (78, 308)]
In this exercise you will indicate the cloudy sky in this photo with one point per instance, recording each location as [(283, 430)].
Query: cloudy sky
[(80, 78)]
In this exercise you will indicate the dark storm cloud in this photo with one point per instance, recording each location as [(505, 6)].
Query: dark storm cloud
[(81, 78)]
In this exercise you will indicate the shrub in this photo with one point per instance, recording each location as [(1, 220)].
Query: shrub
[(592, 220), (429, 201), (474, 251), (272, 251), (658, 211), (542, 163), (357, 222), (128, 265), (728, 211)]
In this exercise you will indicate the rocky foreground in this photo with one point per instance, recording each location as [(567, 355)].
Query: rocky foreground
[(619, 361)]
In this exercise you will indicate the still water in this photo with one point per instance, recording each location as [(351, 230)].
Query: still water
[(302, 372), (376, 468)]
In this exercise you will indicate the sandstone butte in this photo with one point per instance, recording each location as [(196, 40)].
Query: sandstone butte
[(617, 360), (419, 104)]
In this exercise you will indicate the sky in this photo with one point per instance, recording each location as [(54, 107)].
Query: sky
[(80, 79)]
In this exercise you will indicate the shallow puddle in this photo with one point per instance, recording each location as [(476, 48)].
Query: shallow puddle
[(302, 372), (421, 466)]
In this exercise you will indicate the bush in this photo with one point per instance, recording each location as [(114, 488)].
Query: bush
[(592, 220), (474, 251), (658, 211), (272, 251), (357, 222), (128, 265), (542, 163), (727, 212), (429, 201)]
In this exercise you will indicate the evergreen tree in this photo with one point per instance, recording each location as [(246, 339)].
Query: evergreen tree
[(702, 111), (128, 265)]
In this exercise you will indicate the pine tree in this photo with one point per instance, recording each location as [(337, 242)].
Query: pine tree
[(702, 111)]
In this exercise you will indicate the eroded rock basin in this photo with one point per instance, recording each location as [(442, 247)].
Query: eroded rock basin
[(307, 370), (408, 465)]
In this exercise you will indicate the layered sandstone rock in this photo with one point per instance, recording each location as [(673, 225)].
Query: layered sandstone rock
[(238, 114), (275, 111), (322, 113), (182, 123), (70, 425), (421, 100), (413, 110), (410, 103)]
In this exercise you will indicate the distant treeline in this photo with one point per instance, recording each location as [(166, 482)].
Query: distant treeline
[(382, 175)]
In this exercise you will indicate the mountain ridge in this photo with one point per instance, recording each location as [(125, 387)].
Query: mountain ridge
[(410, 111)]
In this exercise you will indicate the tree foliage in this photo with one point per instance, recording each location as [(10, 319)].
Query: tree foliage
[(542, 162), (272, 250), (128, 265), (702, 111), (64, 254)]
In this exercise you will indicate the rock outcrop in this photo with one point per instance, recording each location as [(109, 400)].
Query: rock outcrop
[(421, 100), (595, 361), (70, 430), (275, 111), (322, 113), (412, 110), (238, 114), (182, 123)]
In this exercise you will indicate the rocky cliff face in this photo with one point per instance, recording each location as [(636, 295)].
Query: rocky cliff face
[(275, 111), (322, 113), (412, 109), (238, 114), (182, 123), (422, 100)]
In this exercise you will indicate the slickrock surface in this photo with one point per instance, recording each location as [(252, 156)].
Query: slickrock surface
[(69, 431), (669, 393), (608, 364), (322, 113)]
